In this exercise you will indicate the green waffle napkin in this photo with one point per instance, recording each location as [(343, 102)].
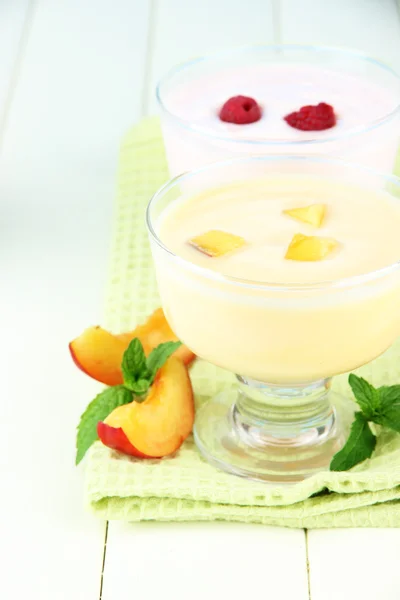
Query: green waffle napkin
[(184, 487)]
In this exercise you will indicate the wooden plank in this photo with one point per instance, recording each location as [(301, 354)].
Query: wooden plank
[(354, 563), (184, 30), (79, 89), (204, 560)]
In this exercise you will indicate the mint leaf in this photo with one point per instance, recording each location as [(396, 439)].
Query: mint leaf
[(96, 411), (366, 395), (139, 372), (359, 446), (389, 412), (159, 356), (134, 363), (139, 387)]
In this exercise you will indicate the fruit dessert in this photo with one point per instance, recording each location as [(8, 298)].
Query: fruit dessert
[(148, 411), (280, 101), (266, 282)]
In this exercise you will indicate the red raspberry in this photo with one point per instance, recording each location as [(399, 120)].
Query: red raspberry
[(312, 118), (240, 110)]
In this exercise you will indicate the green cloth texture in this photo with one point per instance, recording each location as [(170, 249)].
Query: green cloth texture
[(184, 487)]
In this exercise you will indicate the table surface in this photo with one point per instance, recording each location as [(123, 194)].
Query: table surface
[(74, 75)]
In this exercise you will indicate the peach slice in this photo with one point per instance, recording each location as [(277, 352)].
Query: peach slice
[(98, 353), (159, 425), (156, 331), (217, 243), (310, 248), (313, 214)]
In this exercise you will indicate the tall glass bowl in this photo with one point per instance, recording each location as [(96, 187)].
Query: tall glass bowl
[(283, 341), (368, 127)]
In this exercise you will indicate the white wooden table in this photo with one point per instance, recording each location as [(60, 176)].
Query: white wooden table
[(74, 75)]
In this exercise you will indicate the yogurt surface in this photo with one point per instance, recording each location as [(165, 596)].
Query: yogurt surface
[(280, 89), (364, 222)]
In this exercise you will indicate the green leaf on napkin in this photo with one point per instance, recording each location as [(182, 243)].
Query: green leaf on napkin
[(379, 405), (359, 446), (96, 411), (366, 395), (389, 413)]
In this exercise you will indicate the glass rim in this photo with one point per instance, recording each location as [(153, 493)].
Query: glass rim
[(344, 282), (312, 49)]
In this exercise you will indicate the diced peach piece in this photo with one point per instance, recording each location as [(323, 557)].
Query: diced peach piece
[(310, 248), (217, 243), (313, 214), (156, 331), (159, 425), (98, 353)]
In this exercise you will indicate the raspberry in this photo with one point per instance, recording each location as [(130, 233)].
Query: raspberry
[(240, 110), (312, 118)]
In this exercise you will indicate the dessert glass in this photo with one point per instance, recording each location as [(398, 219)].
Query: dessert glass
[(190, 142), (284, 342)]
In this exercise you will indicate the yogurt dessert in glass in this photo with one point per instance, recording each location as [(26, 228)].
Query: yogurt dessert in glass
[(276, 83), (284, 271)]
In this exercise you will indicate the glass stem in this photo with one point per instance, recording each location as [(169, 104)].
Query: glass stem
[(275, 414)]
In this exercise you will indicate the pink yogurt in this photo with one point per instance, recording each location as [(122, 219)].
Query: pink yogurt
[(364, 93)]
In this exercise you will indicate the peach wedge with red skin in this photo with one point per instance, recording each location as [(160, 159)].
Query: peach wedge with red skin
[(158, 426), (115, 438), (155, 331), (98, 353)]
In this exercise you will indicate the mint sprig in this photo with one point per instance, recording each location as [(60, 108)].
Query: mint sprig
[(133, 364), (138, 373), (367, 397), (359, 446), (134, 368), (378, 405), (390, 407)]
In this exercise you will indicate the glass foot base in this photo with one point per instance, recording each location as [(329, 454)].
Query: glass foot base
[(285, 444)]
